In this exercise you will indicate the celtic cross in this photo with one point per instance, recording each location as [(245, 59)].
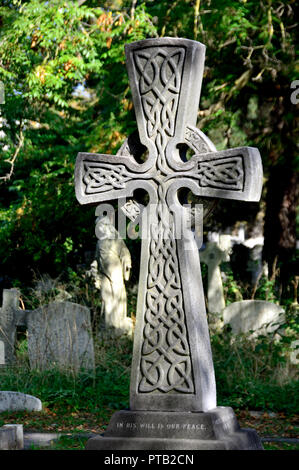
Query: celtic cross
[(172, 367)]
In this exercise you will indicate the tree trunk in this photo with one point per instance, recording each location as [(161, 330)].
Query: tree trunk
[(280, 221)]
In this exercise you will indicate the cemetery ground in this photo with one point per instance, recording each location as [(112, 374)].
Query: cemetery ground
[(254, 377)]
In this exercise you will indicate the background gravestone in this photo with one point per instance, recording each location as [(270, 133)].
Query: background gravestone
[(258, 316), (11, 437), (10, 304), (16, 401), (59, 335)]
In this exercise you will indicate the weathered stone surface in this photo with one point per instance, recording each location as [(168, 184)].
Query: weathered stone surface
[(11, 437), (59, 335), (17, 401), (256, 315), (172, 367)]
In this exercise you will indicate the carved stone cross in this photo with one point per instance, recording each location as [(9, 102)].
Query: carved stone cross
[(172, 368)]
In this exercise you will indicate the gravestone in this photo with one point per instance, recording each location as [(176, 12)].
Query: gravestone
[(173, 390), (258, 316), (212, 256), (17, 401), (59, 335), (10, 304), (11, 437)]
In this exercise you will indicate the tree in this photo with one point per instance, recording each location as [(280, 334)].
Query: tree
[(48, 49)]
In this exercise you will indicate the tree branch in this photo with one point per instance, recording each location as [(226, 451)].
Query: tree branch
[(133, 7), (196, 16), (14, 157)]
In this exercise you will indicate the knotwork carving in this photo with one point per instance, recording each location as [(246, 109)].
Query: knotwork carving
[(165, 358), (160, 73), (159, 79), (103, 177), (197, 140), (222, 173)]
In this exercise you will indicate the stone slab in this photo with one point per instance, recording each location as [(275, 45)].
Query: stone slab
[(11, 437), (59, 335), (134, 430), (17, 401), (38, 439), (258, 316)]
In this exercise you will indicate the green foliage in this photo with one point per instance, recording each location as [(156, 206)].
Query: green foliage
[(105, 389), (265, 380), (265, 290), (231, 290), (47, 50)]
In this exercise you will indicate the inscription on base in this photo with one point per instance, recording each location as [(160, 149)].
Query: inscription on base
[(150, 426)]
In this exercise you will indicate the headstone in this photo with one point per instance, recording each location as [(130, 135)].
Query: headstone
[(110, 269), (258, 316), (16, 401), (59, 335), (11, 437), (10, 304), (173, 391), (213, 256)]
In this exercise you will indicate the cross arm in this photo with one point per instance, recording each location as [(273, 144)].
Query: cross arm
[(100, 177), (228, 174)]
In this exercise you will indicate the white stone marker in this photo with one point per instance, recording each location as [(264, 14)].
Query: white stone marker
[(258, 316)]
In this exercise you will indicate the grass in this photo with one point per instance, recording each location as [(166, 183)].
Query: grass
[(247, 376), (104, 388), (280, 446)]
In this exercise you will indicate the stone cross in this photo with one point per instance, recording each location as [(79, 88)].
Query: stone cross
[(172, 367)]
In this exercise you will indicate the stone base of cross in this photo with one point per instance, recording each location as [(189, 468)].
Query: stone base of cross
[(173, 391)]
